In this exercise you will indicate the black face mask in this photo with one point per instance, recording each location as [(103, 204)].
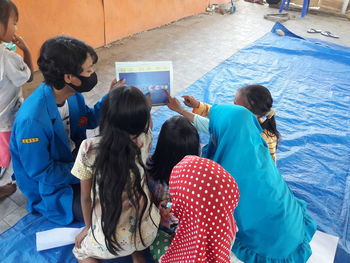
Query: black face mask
[(87, 83)]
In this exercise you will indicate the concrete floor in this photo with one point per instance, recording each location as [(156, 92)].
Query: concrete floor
[(195, 45)]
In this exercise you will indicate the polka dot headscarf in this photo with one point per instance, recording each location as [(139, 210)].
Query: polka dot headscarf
[(204, 196)]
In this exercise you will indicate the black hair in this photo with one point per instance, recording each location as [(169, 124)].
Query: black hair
[(63, 55), (177, 138), (125, 115), (260, 102), (6, 7)]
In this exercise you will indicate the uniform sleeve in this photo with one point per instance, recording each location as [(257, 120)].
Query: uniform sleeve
[(80, 169), (202, 110), (93, 114), (16, 69), (33, 146), (201, 123)]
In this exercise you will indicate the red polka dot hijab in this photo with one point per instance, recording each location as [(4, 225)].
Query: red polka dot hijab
[(204, 196)]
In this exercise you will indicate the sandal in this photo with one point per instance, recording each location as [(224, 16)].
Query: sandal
[(328, 34), (311, 31)]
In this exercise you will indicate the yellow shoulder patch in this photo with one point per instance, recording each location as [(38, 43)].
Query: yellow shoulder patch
[(30, 140)]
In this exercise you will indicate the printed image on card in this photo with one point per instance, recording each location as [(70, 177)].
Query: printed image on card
[(150, 77)]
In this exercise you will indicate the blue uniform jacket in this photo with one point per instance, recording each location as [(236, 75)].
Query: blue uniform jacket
[(41, 154)]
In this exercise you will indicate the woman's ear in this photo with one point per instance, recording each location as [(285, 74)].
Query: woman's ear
[(71, 79), (68, 78)]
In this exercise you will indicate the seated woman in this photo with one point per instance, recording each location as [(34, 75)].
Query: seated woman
[(50, 126), (204, 197), (273, 224)]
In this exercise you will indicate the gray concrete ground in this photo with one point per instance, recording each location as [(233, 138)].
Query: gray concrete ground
[(195, 45)]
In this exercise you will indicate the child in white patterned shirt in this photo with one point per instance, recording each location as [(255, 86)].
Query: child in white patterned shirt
[(14, 72)]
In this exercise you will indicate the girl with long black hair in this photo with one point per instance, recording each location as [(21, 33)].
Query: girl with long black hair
[(116, 202), (177, 139)]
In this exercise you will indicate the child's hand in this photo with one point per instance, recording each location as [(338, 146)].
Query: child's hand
[(149, 99), (81, 236), (190, 101), (20, 43), (174, 104), (116, 84), (165, 214)]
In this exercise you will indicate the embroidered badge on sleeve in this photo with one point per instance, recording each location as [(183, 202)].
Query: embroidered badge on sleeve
[(30, 140)]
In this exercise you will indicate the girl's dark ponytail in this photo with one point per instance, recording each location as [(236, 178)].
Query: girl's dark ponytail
[(270, 126), (260, 102), (125, 115)]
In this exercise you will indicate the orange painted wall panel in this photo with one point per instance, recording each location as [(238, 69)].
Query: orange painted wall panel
[(42, 19), (98, 22), (124, 18)]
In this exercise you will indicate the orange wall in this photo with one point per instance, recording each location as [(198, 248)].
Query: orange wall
[(42, 19), (98, 22), (124, 18)]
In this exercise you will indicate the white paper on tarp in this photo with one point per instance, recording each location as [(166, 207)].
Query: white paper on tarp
[(56, 237), (323, 248)]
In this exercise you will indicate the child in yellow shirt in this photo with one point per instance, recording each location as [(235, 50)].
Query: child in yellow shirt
[(258, 100)]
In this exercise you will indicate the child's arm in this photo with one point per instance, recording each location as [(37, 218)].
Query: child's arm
[(27, 57), (82, 171), (190, 101), (86, 207), (175, 105), (201, 123), (199, 108)]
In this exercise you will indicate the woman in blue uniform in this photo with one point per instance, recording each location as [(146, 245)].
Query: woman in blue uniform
[(50, 126)]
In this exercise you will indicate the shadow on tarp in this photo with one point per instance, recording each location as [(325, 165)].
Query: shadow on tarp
[(309, 80)]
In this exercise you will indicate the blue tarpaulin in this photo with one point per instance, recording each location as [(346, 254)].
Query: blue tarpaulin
[(18, 244), (309, 80)]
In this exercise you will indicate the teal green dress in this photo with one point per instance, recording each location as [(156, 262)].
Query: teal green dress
[(273, 224)]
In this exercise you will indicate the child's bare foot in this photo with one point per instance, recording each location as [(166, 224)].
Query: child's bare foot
[(7, 189), (137, 257)]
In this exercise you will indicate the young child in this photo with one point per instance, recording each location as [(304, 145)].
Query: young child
[(116, 202), (204, 197), (258, 100), (14, 72), (177, 138)]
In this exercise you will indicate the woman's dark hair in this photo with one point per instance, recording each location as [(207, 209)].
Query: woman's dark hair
[(63, 55), (260, 102), (177, 138), (125, 115), (6, 7)]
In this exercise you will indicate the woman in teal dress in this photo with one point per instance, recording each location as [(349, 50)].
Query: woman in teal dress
[(273, 224)]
